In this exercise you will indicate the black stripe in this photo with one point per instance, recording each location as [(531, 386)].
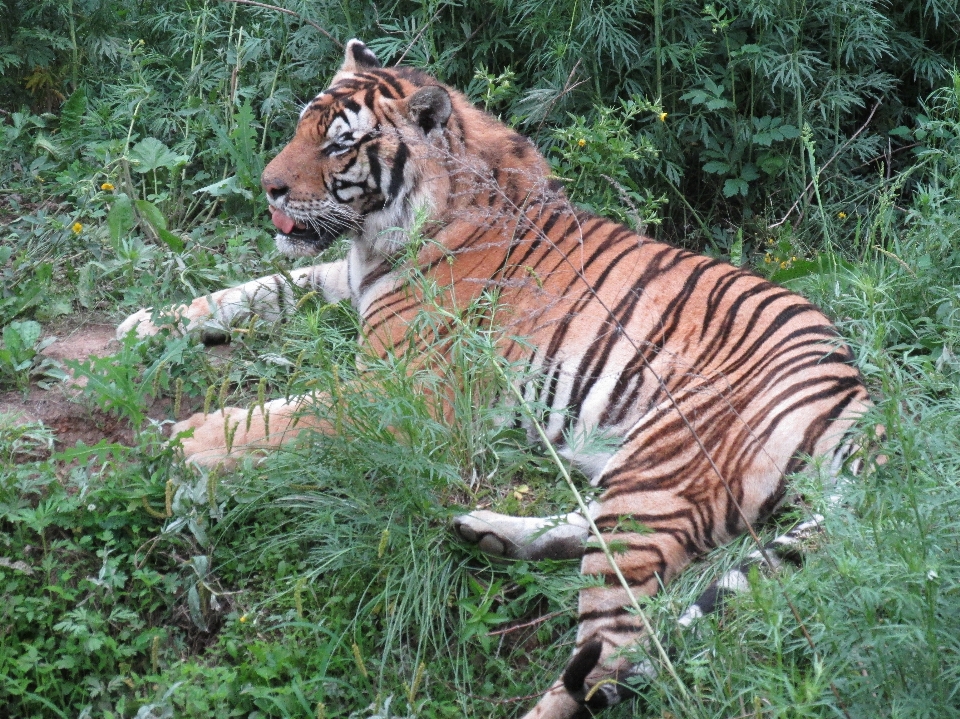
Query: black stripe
[(373, 158), (595, 614), (396, 173), (386, 78), (713, 598)]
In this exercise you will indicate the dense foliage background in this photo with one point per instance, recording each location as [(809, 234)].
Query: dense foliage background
[(817, 142)]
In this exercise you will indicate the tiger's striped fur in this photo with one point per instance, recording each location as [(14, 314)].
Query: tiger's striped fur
[(715, 381)]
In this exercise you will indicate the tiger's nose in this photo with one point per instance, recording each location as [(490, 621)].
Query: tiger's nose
[(274, 188)]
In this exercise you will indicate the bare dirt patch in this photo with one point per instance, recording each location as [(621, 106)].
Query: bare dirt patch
[(71, 420), (62, 408), (65, 409), (82, 341)]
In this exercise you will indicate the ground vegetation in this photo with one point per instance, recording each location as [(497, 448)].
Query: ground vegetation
[(814, 142)]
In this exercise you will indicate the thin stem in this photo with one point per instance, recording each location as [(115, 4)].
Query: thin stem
[(657, 45), (825, 166), (418, 35), (290, 12), (73, 46), (273, 89)]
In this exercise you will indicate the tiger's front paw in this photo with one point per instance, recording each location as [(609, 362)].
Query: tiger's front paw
[(500, 535), (176, 318), (141, 321), (480, 527), (185, 318)]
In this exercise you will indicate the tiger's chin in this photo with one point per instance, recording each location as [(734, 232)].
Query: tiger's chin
[(300, 236), (305, 243)]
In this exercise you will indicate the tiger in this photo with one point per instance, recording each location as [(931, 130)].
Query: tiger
[(713, 383)]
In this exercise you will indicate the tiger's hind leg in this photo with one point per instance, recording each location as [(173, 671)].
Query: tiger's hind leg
[(654, 518), (856, 455), (598, 674), (595, 678), (500, 535), (659, 510), (684, 513)]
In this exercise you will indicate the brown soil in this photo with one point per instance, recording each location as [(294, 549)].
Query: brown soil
[(62, 407), (82, 341), (72, 422)]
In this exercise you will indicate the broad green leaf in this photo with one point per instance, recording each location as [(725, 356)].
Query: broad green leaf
[(735, 186), (71, 112), (171, 240), (718, 104), (151, 213), (824, 265), (229, 186), (770, 163), (201, 564), (716, 167), (49, 145), (749, 172), (150, 155), (20, 337), (244, 136), (196, 611), (789, 132), (736, 251), (120, 219)]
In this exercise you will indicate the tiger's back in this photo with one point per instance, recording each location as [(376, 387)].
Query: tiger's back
[(648, 343), (714, 382)]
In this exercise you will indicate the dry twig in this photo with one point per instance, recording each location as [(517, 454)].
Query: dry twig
[(531, 623), (413, 42)]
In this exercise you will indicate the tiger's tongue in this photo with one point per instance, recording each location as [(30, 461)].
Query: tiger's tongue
[(281, 221)]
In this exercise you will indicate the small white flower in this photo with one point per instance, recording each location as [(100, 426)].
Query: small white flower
[(92, 507)]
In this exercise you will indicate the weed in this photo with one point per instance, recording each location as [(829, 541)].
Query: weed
[(20, 358), (325, 582)]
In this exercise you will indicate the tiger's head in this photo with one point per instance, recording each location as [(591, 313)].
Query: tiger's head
[(376, 146)]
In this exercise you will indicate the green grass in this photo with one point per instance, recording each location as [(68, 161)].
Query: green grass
[(267, 590), (326, 582)]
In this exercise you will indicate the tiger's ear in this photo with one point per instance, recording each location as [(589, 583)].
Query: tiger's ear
[(358, 57), (429, 108)]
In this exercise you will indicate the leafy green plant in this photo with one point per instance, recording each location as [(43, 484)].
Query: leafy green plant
[(23, 441), (124, 383), (325, 582), (21, 361), (79, 604), (599, 161)]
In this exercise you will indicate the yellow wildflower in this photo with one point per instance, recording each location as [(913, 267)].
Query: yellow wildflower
[(768, 259), (106, 186), (77, 227), (783, 265), (581, 142), (243, 619), (663, 117), (842, 215)]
